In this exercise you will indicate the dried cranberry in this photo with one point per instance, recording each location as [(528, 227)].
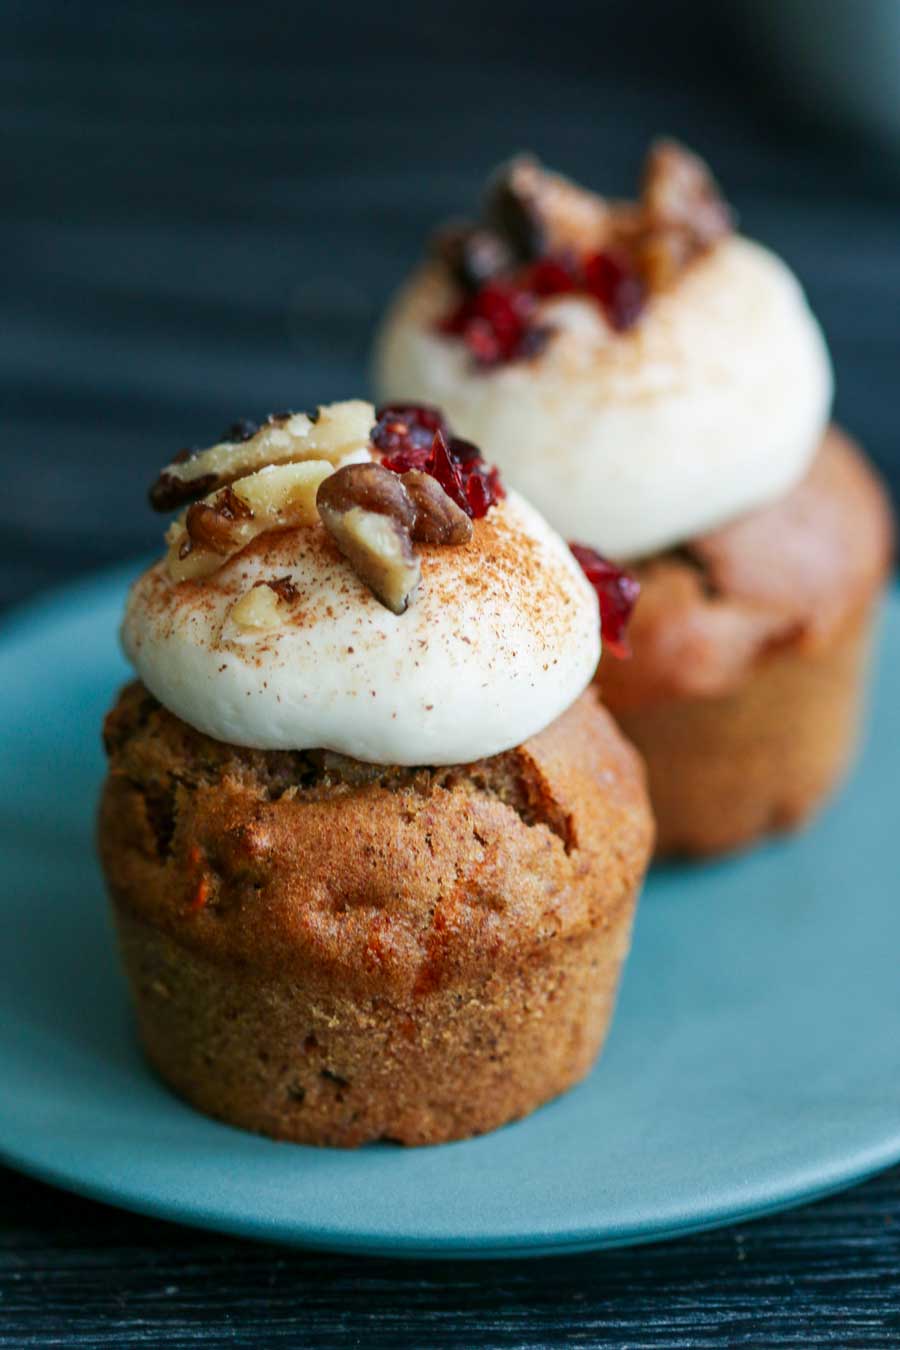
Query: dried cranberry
[(464, 452), (551, 276), (406, 426), (493, 323), (497, 321), (482, 481), (617, 592), (456, 464), (411, 457), (456, 322), (484, 343), (445, 469), (612, 280), (483, 489), (500, 318), (504, 308)]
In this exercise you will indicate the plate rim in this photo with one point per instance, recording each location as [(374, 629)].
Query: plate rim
[(484, 1247), (26, 621)]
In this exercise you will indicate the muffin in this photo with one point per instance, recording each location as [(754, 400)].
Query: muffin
[(658, 386), (373, 845)]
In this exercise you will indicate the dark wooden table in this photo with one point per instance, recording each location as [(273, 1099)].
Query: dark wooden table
[(75, 1274), (204, 207)]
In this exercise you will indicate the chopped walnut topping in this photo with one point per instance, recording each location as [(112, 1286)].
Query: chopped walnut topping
[(373, 514), (662, 255), (438, 519), (683, 213), (679, 192), (262, 606), (371, 487), (368, 513), (283, 587), (210, 525), (258, 608), (338, 432), (278, 497), (538, 212)]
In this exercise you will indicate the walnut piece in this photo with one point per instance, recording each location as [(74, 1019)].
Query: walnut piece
[(679, 193), (214, 525), (338, 433), (368, 513), (283, 587), (263, 605), (663, 253), (278, 497), (438, 519), (371, 487), (259, 608), (539, 212), (379, 551)]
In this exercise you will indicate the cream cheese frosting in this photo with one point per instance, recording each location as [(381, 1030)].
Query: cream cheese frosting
[(711, 405), (503, 636)]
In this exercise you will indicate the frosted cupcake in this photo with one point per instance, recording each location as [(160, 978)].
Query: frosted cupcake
[(372, 844), (658, 386)]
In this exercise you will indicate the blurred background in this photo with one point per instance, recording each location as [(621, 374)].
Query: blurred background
[(205, 205)]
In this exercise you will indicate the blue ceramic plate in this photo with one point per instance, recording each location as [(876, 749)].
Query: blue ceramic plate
[(754, 1062)]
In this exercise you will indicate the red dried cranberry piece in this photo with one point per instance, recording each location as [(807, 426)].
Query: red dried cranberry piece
[(612, 280), (405, 427), (483, 489), (493, 322), (412, 457), (483, 343), (492, 476), (456, 322), (481, 481), (505, 312), (504, 308), (551, 276), (455, 463), (464, 452), (497, 321), (444, 468), (617, 592)]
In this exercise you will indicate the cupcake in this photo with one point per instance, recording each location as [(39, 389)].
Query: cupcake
[(373, 845), (657, 385)]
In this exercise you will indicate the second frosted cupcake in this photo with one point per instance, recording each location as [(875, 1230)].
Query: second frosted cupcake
[(659, 387)]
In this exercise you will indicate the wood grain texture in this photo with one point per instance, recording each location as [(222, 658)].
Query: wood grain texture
[(74, 1273), (204, 209), (203, 214)]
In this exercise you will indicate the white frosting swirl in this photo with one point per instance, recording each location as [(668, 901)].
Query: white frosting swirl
[(502, 637), (713, 404)]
